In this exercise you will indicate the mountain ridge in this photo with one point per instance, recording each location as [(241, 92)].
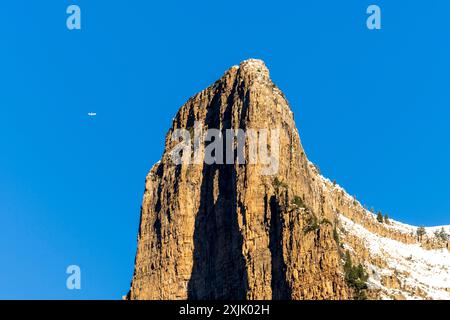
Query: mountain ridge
[(232, 231)]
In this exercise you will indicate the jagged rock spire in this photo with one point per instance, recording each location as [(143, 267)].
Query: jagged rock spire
[(232, 231)]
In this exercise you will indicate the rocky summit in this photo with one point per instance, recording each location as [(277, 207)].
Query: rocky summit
[(234, 230)]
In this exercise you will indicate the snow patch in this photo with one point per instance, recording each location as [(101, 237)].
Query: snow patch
[(416, 267)]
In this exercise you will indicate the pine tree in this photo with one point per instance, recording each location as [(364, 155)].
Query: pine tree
[(336, 236), (441, 235), (348, 262), (386, 218), (297, 201), (444, 235), (356, 277), (421, 232), (380, 217)]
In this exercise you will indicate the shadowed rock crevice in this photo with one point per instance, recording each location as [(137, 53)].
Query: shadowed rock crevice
[(219, 269), (280, 287)]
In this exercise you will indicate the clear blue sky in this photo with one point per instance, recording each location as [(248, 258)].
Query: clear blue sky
[(372, 107)]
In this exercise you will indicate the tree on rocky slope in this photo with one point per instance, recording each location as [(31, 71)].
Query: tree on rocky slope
[(356, 277), (441, 235), (420, 233), (313, 223), (380, 217)]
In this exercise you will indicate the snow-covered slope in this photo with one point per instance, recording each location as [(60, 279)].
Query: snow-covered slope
[(399, 263), (406, 228), (419, 273)]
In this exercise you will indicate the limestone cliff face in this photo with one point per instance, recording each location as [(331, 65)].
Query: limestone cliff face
[(241, 231), (221, 231)]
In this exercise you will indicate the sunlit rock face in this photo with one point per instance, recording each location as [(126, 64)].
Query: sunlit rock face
[(248, 230)]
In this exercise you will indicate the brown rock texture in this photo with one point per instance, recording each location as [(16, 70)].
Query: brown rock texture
[(237, 231), (229, 231)]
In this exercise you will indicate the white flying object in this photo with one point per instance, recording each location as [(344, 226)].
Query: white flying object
[(92, 114)]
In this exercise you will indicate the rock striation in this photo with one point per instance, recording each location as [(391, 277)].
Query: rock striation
[(232, 231)]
